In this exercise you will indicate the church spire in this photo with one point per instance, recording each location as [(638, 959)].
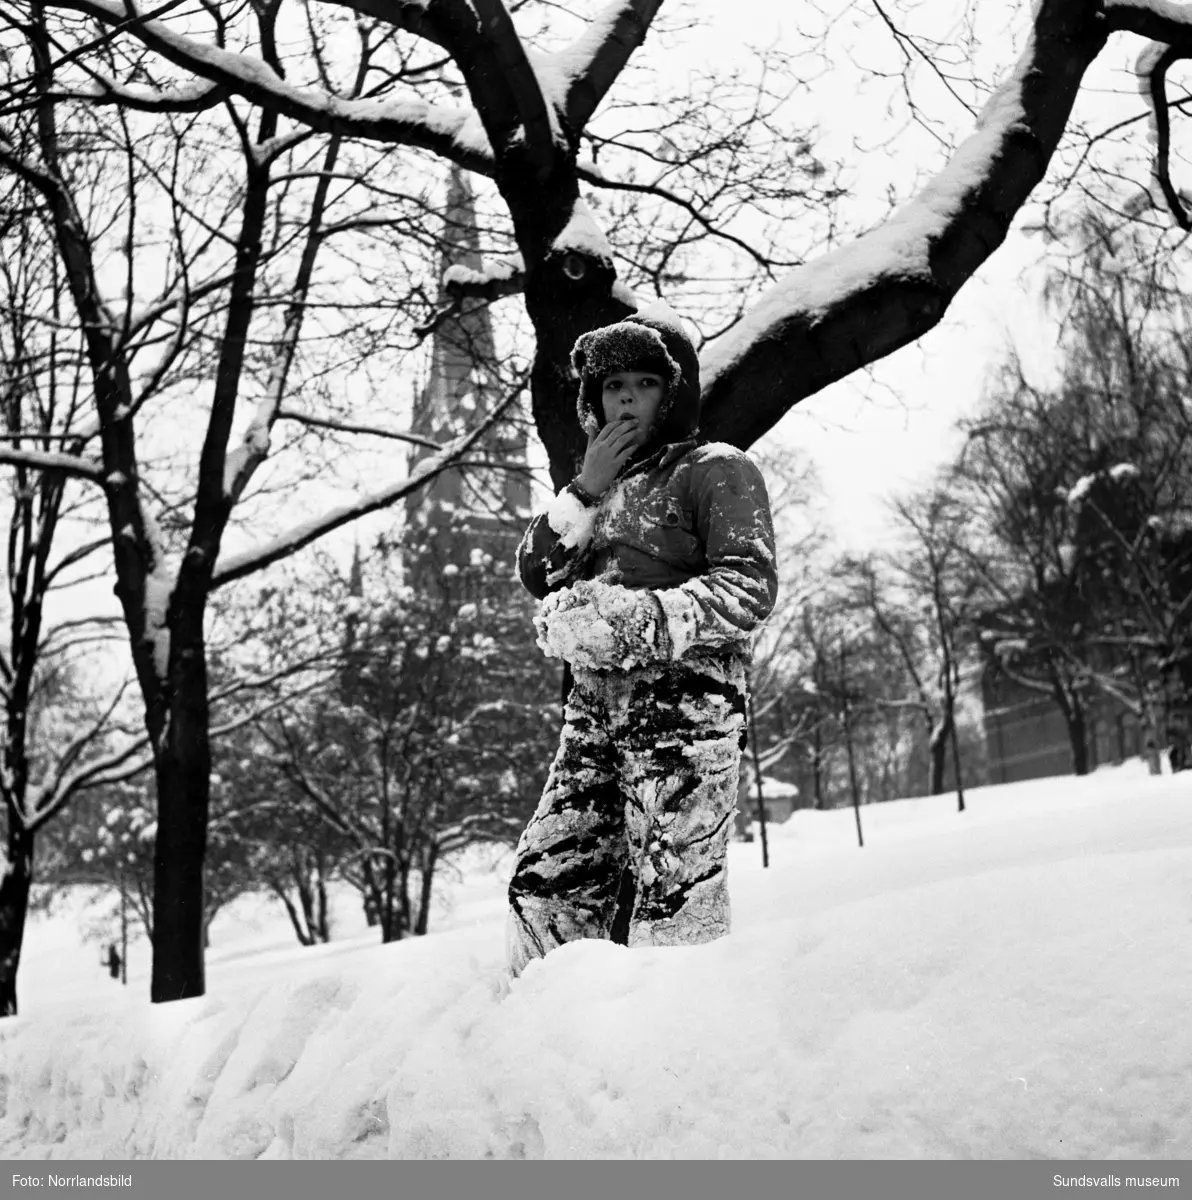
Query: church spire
[(462, 510)]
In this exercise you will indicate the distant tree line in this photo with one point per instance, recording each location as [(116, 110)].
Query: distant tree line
[(1053, 554), (407, 726)]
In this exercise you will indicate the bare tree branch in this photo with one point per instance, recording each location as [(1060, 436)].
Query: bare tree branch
[(240, 565), (451, 132)]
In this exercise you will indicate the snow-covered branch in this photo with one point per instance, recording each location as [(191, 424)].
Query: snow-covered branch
[(455, 133), (859, 303), (192, 99), (239, 565), (592, 64), (529, 110), (1158, 20), (51, 797), (71, 464), (502, 277)]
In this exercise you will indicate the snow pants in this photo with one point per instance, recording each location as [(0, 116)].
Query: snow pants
[(629, 840)]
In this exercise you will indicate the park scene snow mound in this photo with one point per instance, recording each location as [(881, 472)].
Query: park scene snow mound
[(1013, 982)]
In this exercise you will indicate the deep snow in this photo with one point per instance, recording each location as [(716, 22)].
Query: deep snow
[(1010, 983)]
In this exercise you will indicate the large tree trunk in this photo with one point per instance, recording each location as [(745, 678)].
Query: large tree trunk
[(938, 749), (1077, 736), (1179, 716), (16, 876), (183, 770), (424, 892), (566, 295)]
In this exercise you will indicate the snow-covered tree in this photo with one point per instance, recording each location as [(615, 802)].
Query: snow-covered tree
[(1126, 376), (429, 736), (62, 733), (918, 593), (304, 87)]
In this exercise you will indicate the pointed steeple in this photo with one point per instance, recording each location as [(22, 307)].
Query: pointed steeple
[(464, 509)]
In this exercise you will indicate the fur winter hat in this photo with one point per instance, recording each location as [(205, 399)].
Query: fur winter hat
[(650, 340)]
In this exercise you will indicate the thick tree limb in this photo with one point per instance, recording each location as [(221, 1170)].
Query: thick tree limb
[(891, 286), (1155, 19), (601, 54), (1159, 104), (524, 89)]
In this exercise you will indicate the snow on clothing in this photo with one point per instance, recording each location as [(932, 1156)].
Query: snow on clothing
[(651, 595)]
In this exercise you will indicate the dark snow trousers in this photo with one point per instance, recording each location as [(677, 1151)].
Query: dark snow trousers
[(629, 840)]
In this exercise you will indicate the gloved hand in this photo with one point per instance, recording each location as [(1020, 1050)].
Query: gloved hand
[(602, 626)]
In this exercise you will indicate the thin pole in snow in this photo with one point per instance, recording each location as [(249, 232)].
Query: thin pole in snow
[(848, 744), (757, 770), (123, 928)]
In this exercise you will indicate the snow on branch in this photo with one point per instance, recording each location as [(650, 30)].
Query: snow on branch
[(590, 66), (190, 99), (497, 279), (70, 464), (582, 235), (70, 776), (538, 119), (900, 249), (238, 565), (867, 299), (454, 132)]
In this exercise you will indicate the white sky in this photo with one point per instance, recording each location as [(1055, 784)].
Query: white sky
[(1006, 984)]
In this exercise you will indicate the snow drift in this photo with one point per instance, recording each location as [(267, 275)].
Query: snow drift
[(1013, 982)]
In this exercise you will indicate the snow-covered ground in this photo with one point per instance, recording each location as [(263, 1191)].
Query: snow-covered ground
[(1010, 983)]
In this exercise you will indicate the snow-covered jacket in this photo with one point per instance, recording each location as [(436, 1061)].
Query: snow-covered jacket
[(677, 555)]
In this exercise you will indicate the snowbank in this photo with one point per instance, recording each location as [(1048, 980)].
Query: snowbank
[(1010, 983)]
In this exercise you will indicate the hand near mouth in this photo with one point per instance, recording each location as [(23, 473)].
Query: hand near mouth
[(607, 453)]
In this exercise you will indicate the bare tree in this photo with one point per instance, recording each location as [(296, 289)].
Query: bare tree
[(427, 738), (1123, 388), (918, 597), (523, 124), (221, 275), (61, 736)]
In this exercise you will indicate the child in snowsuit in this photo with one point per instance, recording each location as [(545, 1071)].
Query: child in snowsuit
[(654, 566)]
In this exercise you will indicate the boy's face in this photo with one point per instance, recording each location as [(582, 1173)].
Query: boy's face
[(634, 396)]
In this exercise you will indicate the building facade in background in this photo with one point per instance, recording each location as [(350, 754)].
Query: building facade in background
[(1027, 737)]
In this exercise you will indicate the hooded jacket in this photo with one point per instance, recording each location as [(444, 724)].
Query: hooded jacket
[(678, 555)]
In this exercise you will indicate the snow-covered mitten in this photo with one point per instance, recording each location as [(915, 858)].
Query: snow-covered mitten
[(602, 626)]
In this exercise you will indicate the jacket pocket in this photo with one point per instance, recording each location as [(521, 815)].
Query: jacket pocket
[(668, 513)]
